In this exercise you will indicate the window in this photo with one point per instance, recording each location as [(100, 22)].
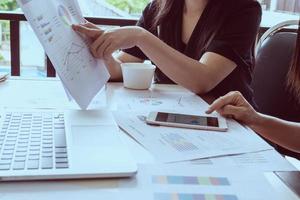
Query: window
[(114, 8), (32, 55), (5, 5), (276, 11), (287, 6)]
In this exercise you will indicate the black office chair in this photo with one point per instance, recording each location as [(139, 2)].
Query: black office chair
[(274, 53)]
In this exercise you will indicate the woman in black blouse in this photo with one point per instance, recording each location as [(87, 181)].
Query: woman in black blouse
[(283, 133), (205, 46)]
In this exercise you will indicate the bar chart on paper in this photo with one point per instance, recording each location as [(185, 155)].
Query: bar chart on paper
[(183, 196), (191, 180), (178, 182), (178, 142)]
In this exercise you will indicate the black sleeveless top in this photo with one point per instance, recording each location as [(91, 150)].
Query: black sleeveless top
[(235, 40)]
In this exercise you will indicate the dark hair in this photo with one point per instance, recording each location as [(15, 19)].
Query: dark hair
[(163, 8), (217, 13), (293, 77)]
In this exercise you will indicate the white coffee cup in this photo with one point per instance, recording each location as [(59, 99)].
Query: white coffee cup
[(138, 76)]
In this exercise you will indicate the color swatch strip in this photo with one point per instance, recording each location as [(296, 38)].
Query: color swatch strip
[(190, 180), (176, 196)]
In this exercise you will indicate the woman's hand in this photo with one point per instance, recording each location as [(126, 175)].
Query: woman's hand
[(234, 105), (105, 43)]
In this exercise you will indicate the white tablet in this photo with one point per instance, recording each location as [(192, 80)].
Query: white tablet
[(187, 121)]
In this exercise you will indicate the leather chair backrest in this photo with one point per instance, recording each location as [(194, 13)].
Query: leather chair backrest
[(270, 74)]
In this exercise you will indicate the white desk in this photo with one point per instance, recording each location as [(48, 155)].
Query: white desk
[(28, 93)]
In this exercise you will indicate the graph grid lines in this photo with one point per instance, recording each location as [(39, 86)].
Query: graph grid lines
[(178, 142)]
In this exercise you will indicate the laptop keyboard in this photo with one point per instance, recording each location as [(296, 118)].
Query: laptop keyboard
[(32, 141)]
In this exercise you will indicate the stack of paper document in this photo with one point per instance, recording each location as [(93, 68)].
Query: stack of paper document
[(176, 144), (165, 182), (82, 75), (169, 144)]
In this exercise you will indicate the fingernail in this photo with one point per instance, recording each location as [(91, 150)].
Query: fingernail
[(207, 112)]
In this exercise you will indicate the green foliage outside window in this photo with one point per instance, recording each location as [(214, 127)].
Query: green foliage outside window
[(8, 5), (130, 6)]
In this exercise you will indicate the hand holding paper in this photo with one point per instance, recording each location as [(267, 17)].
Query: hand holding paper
[(82, 75)]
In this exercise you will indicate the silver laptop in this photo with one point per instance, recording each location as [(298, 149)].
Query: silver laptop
[(43, 144)]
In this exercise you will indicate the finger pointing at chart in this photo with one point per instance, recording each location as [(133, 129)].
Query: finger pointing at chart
[(234, 105), (88, 29)]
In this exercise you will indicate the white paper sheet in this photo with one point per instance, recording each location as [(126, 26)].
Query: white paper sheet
[(167, 182), (153, 100), (177, 144), (265, 161), (52, 190), (46, 96), (150, 181), (82, 75)]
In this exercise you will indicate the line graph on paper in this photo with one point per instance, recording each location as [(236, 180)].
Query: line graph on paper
[(76, 58), (74, 51)]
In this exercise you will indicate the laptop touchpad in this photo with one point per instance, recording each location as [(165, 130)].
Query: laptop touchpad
[(92, 136), (93, 145)]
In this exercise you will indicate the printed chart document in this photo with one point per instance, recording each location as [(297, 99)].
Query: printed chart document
[(165, 182), (264, 161), (154, 182), (177, 144), (153, 100), (82, 75)]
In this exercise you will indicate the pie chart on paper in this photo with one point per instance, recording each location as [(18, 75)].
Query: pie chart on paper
[(64, 15)]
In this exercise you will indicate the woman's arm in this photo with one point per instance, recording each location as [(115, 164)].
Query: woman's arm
[(197, 76), (283, 133), (113, 64)]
